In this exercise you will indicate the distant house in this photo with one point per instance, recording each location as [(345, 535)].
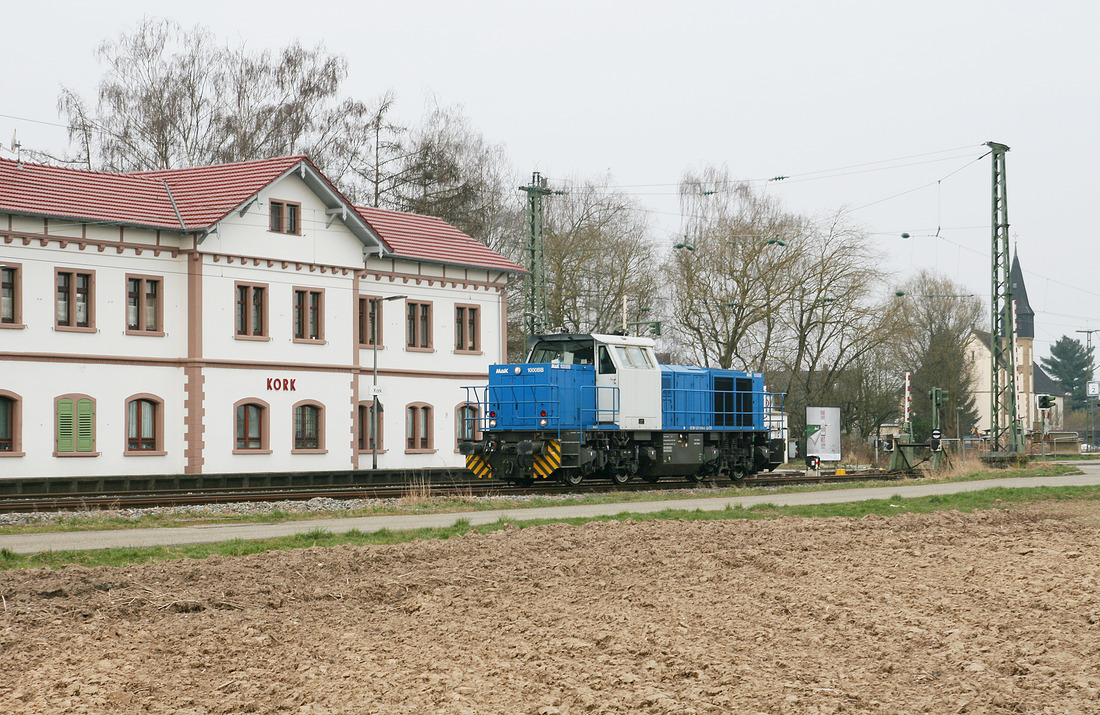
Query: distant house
[(1032, 381), (226, 319)]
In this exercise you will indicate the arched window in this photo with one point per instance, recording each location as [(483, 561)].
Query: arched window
[(466, 423), (309, 427), (419, 428), (368, 429), (144, 425), (252, 435), (10, 424), (75, 426)]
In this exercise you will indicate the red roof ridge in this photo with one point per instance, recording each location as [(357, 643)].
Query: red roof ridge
[(20, 164), (409, 213), (289, 160)]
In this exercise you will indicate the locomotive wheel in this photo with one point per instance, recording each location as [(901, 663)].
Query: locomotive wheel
[(572, 477), (620, 477)]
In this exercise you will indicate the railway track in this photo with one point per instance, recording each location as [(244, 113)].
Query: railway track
[(146, 499)]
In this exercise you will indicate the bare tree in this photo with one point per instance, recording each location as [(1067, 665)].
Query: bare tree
[(837, 315), (599, 251), (172, 97), (939, 316), (375, 166), (452, 172), (731, 271)]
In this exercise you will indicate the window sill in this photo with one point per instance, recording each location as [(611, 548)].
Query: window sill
[(146, 333), (74, 329), (76, 454), (368, 346), (254, 338), (12, 326), (310, 341), (144, 453), (468, 352), (309, 451), (419, 350), (12, 454), (421, 451), (251, 451), (369, 452)]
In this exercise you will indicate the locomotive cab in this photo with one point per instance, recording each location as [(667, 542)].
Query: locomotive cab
[(627, 386)]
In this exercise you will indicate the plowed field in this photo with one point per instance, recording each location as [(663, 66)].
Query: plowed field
[(993, 612)]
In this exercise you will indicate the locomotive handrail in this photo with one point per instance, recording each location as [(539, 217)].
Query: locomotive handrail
[(596, 412), (705, 412), (515, 395)]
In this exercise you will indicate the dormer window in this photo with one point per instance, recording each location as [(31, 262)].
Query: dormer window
[(284, 217)]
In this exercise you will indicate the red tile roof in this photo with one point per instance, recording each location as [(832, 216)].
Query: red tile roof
[(204, 195), (426, 238), (84, 195)]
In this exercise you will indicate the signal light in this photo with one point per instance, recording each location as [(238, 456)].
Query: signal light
[(1046, 402)]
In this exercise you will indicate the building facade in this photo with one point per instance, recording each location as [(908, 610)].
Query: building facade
[(233, 319)]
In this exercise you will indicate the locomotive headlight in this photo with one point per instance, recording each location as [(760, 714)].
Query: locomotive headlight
[(492, 423), (542, 423), (517, 369)]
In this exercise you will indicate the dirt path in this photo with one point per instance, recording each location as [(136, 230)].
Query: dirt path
[(997, 612)]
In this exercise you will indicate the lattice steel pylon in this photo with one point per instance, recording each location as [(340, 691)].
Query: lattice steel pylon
[(535, 309), (1004, 425)]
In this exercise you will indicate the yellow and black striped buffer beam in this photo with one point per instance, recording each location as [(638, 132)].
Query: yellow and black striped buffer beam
[(549, 461), (477, 464)]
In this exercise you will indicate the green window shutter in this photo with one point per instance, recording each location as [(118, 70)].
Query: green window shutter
[(85, 426), (65, 419)]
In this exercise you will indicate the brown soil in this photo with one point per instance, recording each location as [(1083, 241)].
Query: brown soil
[(995, 612)]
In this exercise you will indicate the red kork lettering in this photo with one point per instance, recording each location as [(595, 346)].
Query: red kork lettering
[(281, 384)]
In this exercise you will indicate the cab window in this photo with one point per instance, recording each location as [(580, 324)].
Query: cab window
[(639, 357), (625, 356), (607, 367), (573, 352)]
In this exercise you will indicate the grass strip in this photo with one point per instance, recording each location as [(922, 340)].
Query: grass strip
[(419, 504), (996, 498)]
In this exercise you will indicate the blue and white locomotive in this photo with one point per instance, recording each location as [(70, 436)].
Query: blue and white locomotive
[(600, 406)]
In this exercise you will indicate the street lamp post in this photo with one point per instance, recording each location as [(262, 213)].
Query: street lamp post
[(958, 434), (1092, 400), (374, 384)]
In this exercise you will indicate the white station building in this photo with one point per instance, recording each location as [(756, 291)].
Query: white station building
[(222, 319)]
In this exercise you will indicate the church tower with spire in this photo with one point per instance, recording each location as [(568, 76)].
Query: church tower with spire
[(1025, 353)]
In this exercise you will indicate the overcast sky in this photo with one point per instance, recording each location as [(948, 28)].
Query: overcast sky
[(875, 106)]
